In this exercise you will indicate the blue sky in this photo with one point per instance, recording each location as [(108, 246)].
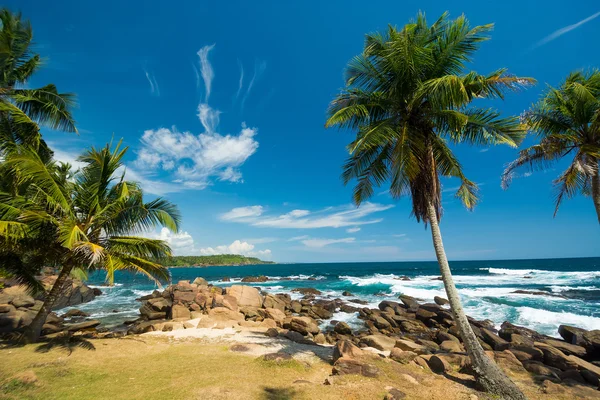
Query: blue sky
[(223, 105)]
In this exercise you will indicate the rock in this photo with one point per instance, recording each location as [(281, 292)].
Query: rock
[(296, 306), (440, 301), (200, 282), (443, 336), (226, 301), (413, 326), (508, 360), (342, 328), (318, 312), (409, 301), (7, 308), (75, 313), (537, 293), (225, 279), (591, 340), (54, 319), (346, 349), (272, 332), (571, 334), (23, 300), (147, 311), (421, 362), (295, 337), (401, 356), (556, 358), (494, 340), (261, 278), (410, 379), (396, 307), (82, 326), (160, 304), (346, 293), (571, 376), (451, 346), (394, 394), (275, 314), (525, 352), (380, 322), (583, 365), (407, 345), (320, 338), (350, 366), (180, 311), (271, 301), (278, 357), (225, 314), (183, 296), (304, 325), (538, 368), (438, 364), (246, 296), (431, 346), (348, 308), (379, 342), (567, 348), (49, 329), (307, 291)]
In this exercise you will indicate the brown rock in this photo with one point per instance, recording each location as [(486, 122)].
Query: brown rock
[(275, 314), (82, 326), (350, 366), (395, 394), (379, 342), (407, 345), (451, 346), (538, 368), (571, 334), (246, 296), (438, 365), (200, 282), (272, 332), (440, 301), (180, 311), (255, 279), (271, 301), (342, 328), (567, 348), (278, 357), (307, 291), (346, 349), (556, 358), (494, 340), (225, 314), (304, 325), (401, 356)]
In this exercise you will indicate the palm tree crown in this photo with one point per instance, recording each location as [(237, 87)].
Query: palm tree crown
[(567, 122), (407, 96)]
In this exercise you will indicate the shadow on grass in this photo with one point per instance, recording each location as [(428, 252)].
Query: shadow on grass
[(272, 393), (67, 343)]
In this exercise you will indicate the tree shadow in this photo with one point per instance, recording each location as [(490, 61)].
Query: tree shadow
[(67, 343), (272, 393)]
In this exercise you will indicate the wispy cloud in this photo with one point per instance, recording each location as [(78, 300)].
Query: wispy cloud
[(206, 69), (331, 217), (241, 83), (298, 238), (318, 242), (353, 230), (154, 89), (558, 33), (237, 247), (197, 74), (484, 150), (259, 69)]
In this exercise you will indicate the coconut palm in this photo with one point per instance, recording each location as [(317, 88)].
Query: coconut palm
[(24, 110), (408, 97), (87, 222), (567, 123)]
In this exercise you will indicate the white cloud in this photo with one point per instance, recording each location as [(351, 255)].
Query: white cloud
[(353, 230), (297, 238), (326, 242), (304, 219), (241, 82), (182, 243), (484, 150), (195, 160), (154, 89), (206, 69), (237, 247), (400, 235), (261, 240), (558, 33), (241, 213)]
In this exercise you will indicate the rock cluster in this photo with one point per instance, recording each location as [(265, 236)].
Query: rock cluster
[(18, 307)]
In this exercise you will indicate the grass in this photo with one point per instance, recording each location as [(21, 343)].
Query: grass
[(156, 368)]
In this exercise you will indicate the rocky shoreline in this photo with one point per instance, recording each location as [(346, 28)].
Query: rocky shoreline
[(407, 331)]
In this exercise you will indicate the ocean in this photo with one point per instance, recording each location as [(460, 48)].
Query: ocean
[(572, 288)]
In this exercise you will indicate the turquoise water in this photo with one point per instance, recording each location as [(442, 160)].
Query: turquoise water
[(485, 286)]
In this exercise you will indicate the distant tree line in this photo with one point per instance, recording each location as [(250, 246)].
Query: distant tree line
[(220, 259)]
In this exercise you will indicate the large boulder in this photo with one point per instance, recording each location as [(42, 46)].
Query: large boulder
[(304, 325), (440, 301), (409, 301), (275, 314), (225, 314), (351, 366), (254, 279), (408, 345), (272, 301), (346, 349), (200, 282), (307, 291), (571, 334), (494, 340), (179, 311), (23, 300), (379, 342), (556, 358), (246, 296), (226, 301), (567, 348), (342, 328), (401, 356)]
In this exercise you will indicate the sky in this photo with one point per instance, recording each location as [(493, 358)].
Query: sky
[(223, 104)]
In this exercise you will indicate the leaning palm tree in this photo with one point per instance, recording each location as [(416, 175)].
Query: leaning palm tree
[(408, 97), (23, 110), (86, 223), (567, 122)]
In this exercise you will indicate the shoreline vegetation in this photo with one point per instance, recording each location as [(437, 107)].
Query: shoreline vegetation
[(220, 260)]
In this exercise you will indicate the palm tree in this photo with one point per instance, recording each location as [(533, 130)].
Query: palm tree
[(407, 96), (85, 222), (567, 122)]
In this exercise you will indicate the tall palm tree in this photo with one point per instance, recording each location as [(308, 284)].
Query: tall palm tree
[(408, 96), (23, 110), (84, 223), (567, 122)]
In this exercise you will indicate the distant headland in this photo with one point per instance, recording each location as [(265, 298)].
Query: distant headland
[(209, 261)]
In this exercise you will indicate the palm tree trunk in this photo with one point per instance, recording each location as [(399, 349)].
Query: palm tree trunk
[(489, 376), (33, 331), (596, 192)]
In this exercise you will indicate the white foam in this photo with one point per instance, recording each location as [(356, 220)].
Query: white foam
[(548, 321)]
